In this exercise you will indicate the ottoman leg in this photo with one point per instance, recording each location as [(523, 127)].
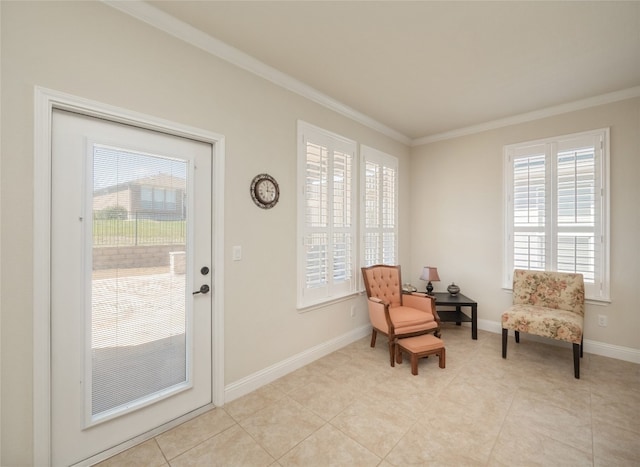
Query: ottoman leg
[(414, 364), (442, 359)]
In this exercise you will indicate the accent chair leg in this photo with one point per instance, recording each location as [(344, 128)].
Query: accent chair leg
[(576, 360), (505, 334), (581, 345), (517, 336), (374, 334)]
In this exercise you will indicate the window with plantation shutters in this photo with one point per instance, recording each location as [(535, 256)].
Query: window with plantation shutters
[(556, 198), (379, 225), (326, 216)]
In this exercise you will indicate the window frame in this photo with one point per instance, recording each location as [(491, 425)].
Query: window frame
[(550, 149), (361, 155), (310, 297)]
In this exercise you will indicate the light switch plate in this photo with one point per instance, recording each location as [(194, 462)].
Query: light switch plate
[(237, 253)]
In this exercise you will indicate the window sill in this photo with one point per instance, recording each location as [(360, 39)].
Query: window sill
[(326, 303)]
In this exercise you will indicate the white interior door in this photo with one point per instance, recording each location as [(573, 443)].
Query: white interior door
[(131, 236)]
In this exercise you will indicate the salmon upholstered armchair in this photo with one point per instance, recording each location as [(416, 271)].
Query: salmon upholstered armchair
[(393, 313)]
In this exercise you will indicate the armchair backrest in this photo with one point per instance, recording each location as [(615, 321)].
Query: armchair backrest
[(559, 290), (383, 282)]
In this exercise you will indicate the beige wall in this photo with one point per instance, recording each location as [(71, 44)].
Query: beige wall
[(93, 51), (458, 185), (451, 205)]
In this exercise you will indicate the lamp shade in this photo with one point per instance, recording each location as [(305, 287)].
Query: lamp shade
[(430, 273)]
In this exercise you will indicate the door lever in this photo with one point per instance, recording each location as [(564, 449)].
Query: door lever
[(203, 289)]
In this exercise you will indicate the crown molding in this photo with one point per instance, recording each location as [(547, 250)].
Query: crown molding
[(187, 33), (530, 116)]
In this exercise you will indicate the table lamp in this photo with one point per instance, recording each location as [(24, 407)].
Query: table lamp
[(429, 273)]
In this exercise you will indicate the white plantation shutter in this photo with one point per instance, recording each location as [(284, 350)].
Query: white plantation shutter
[(380, 207), (578, 208), (326, 225), (529, 208), (557, 208)]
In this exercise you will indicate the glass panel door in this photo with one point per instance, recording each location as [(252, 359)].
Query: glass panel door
[(131, 345)]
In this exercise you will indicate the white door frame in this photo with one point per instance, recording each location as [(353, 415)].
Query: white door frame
[(45, 101)]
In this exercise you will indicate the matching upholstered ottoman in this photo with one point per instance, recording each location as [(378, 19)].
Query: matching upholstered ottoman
[(418, 347)]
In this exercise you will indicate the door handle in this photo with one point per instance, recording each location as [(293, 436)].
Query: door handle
[(203, 289)]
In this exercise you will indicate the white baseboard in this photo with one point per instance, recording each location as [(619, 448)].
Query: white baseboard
[(267, 375), (598, 348), (491, 326), (613, 351)]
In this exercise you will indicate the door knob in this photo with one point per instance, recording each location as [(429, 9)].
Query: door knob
[(203, 289)]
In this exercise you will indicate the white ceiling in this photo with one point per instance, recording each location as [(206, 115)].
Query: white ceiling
[(428, 68)]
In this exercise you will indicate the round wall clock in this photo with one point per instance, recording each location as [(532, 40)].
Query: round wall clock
[(264, 191)]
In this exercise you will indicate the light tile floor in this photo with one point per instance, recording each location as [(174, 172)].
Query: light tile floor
[(351, 408)]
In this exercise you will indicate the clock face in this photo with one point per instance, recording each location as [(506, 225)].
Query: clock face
[(265, 191)]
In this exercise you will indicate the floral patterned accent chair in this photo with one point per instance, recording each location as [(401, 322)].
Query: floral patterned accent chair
[(393, 313), (547, 304)]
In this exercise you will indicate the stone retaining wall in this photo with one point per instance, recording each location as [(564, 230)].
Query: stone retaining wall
[(110, 257)]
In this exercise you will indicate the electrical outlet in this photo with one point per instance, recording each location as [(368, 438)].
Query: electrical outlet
[(602, 320)]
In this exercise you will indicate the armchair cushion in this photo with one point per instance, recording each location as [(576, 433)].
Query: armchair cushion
[(408, 320)]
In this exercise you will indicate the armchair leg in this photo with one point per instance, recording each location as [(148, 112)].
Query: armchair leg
[(374, 334), (517, 336), (581, 345), (576, 360), (392, 352), (505, 333)]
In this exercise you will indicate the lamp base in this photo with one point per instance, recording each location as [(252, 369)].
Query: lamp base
[(429, 288)]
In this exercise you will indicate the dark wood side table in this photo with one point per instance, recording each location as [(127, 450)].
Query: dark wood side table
[(457, 316)]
